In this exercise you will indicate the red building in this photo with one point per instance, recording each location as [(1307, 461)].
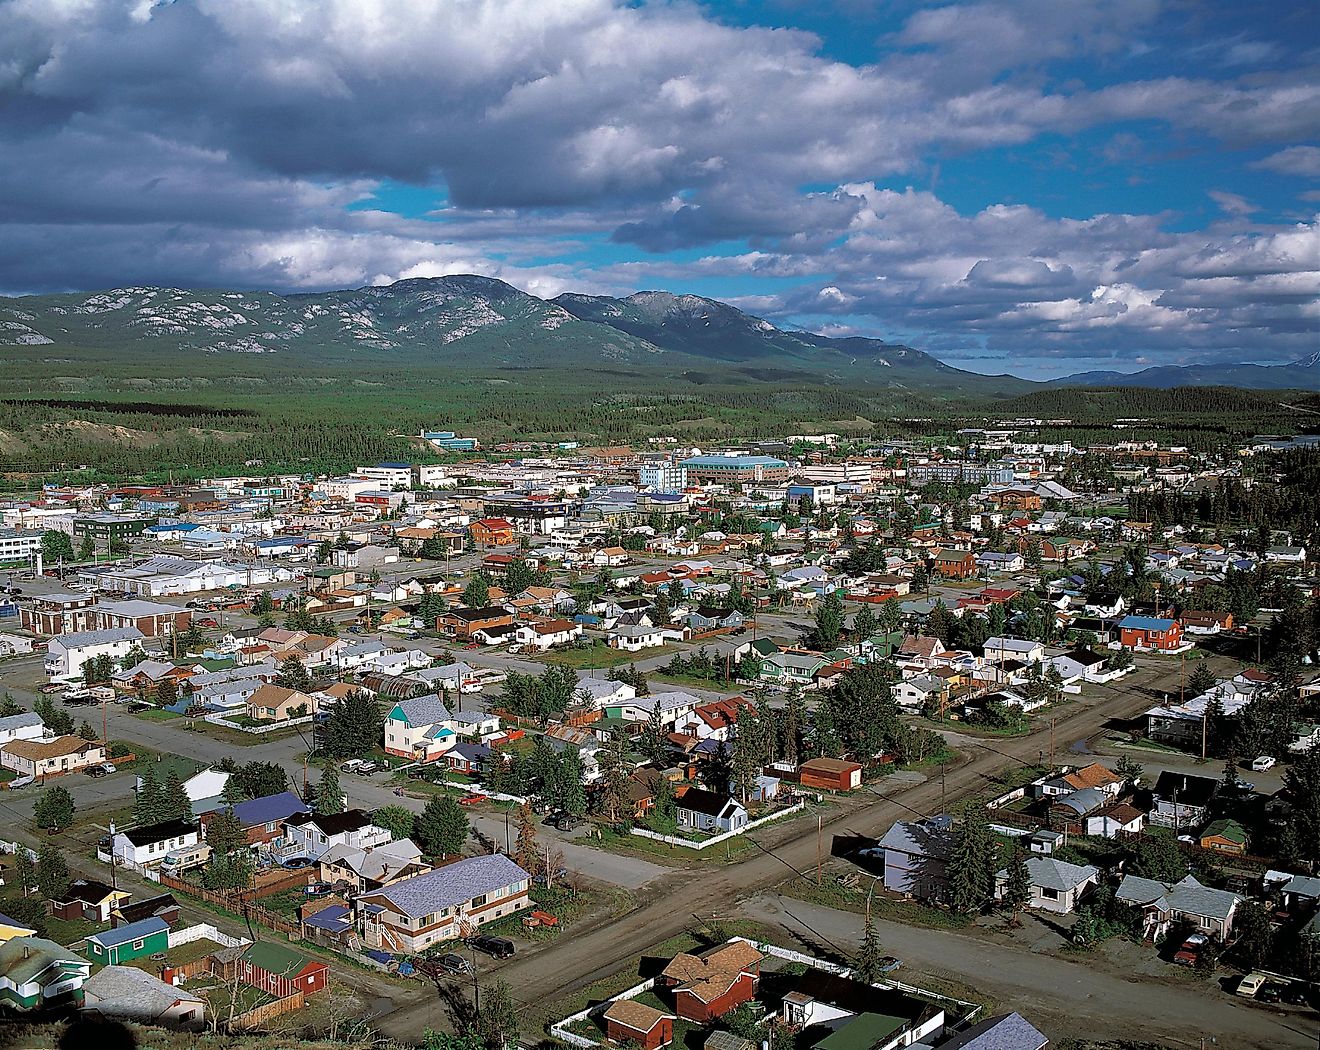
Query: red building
[(1149, 632), (831, 774), (628, 1022), (955, 564), (709, 985), (491, 532), (280, 970)]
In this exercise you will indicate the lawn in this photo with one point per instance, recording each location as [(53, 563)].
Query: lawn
[(692, 681), (626, 843), (62, 931), (599, 655), (831, 895)]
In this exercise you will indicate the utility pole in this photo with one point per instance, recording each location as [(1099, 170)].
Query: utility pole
[(819, 836), (1052, 721)]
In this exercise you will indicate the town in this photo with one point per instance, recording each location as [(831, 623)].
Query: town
[(823, 741)]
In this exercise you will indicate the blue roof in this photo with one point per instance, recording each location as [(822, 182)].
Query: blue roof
[(334, 918), (134, 931), (7, 920), (268, 808), (1145, 623), (396, 466), (178, 526)]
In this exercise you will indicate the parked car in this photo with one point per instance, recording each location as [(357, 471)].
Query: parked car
[(53, 687), (566, 821), (553, 818), (20, 782), (352, 765), (207, 621), (1191, 949), (472, 799), (452, 962), (1250, 985), (1263, 764), (496, 947), (95, 772), (1271, 992)]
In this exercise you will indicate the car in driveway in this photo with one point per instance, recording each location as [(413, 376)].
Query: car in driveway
[(1262, 764), (1191, 949), (495, 947), (95, 772), (472, 799)]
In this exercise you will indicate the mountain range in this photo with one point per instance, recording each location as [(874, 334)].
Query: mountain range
[(482, 323)]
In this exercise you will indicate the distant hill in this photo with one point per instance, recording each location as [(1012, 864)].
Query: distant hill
[(481, 323), (1296, 375)]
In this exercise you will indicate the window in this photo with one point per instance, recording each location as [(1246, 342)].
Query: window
[(1049, 894), (477, 902), (137, 945)]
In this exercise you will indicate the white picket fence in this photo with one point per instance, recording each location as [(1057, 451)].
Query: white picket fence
[(14, 847), (675, 840), (222, 719), (205, 931)]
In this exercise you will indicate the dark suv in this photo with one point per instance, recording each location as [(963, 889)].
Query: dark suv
[(496, 947)]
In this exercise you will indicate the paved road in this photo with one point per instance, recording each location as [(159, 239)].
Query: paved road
[(1063, 996)]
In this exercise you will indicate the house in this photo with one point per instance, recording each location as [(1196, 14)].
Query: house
[(491, 532), (1150, 632), (830, 774), (463, 624), (839, 1013), (1080, 663), (313, 835), (916, 853), (468, 758), (421, 728), (547, 634), (709, 985), (205, 789), (955, 565), (88, 899), (275, 703), (630, 1023), (635, 639), (1001, 1032), (36, 972), (163, 907), (441, 905), (1162, 904), (46, 758), (147, 846), (1114, 821), (1181, 800), (67, 653), (26, 725), (1226, 836), (262, 819), (126, 993), (373, 867), (1093, 776), (711, 811), (1000, 650), (1055, 885), (791, 667), (279, 969), (132, 941), (11, 927), (712, 721)]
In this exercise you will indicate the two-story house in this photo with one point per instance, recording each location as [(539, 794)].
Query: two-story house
[(312, 835)]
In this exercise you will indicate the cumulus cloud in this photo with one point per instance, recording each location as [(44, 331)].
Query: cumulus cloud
[(217, 142)]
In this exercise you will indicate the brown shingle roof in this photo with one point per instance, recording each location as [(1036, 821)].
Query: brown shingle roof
[(637, 1016)]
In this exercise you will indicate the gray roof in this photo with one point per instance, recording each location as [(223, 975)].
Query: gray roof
[(1083, 801), (1051, 874), (424, 710), (1005, 1032), (1189, 896), (138, 992), (114, 634), (453, 884), (932, 837), (19, 721), (1303, 885)]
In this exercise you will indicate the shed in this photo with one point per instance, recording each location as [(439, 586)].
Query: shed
[(831, 774)]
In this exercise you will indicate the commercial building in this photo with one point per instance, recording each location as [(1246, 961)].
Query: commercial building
[(734, 470), (955, 472), (662, 477), (19, 544), (110, 529)]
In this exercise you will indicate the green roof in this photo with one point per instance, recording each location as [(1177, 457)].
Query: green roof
[(41, 955), (863, 1032), (1226, 829), (276, 958)]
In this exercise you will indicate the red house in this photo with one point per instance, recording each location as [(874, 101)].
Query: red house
[(956, 565), (628, 1021), (709, 985), (491, 532), (278, 969), (1149, 632)]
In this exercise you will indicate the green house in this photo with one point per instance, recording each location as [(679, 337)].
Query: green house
[(35, 972), (137, 939)]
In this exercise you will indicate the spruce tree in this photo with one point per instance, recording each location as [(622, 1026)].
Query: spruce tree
[(1017, 888), (971, 867), (54, 809), (528, 851), (175, 803), (329, 796), (867, 967), (52, 872), (150, 803), (442, 828)]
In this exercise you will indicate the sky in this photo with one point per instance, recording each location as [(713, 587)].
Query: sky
[(1028, 186)]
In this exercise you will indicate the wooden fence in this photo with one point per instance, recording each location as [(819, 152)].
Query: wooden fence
[(237, 903), (259, 1015)]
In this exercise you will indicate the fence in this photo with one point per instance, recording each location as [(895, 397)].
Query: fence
[(674, 840), (560, 1028), (235, 902), (204, 931), (14, 847), (261, 1014), (223, 719)]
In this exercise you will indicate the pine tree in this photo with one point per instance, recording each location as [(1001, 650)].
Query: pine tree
[(329, 798), (397, 820), (614, 781), (795, 722), (1017, 888), (498, 1021), (87, 732), (442, 828), (864, 624), (224, 832), (527, 851), (476, 595), (654, 743), (573, 796), (175, 803), (25, 872), (149, 806)]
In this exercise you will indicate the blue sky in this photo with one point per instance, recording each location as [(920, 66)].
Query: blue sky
[(1023, 186)]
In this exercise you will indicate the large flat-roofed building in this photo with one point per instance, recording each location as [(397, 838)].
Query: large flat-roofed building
[(956, 472), (734, 470)]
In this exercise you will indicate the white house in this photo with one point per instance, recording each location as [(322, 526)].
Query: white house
[(546, 635), (147, 846), (701, 810), (311, 835), (999, 650), (635, 639), (66, 653), (24, 726), (603, 692), (1055, 885)]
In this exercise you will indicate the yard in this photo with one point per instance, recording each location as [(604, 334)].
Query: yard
[(598, 655), (62, 931)]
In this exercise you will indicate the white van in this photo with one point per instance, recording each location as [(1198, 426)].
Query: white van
[(1263, 764)]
